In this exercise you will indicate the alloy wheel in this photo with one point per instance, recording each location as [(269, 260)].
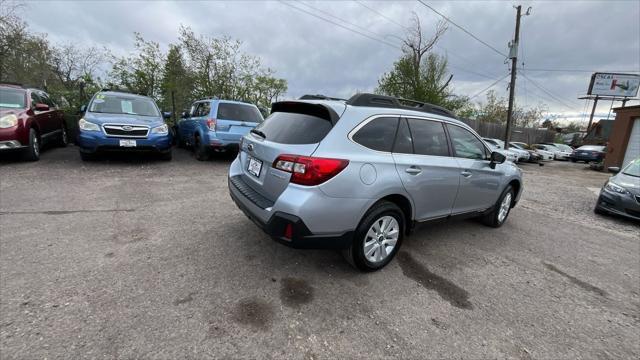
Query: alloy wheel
[(381, 239)]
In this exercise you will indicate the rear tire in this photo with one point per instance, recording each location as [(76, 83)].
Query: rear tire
[(377, 238), (32, 153), (498, 216), (202, 153), (64, 137)]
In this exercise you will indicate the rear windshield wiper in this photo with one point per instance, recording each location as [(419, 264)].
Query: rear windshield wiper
[(259, 133)]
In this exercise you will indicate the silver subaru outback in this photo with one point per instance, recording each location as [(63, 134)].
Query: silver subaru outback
[(359, 174)]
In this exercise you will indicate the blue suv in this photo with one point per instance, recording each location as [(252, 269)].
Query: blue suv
[(118, 121), (216, 125)]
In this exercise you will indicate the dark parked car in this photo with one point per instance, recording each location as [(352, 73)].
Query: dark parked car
[(29, 118), (620, 195), (588, 153)]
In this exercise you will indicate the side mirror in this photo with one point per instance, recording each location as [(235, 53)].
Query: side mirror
[(496, 158), (166, 114), (41, 107), (613, 169), (184, 115), (83, 109)]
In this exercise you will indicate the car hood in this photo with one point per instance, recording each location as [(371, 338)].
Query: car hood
[(631, 183), (4, 112), (102, 118)]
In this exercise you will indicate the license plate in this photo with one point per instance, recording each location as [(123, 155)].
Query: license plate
[(128, 143), (255, 166)]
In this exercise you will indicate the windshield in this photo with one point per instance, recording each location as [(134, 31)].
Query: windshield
[(564, 147), (123, 104), (633, 169), (12, 98), (516, 146), (239, 112)]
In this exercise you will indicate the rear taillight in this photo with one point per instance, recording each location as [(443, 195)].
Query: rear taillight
[(211, 124), (306, 170)]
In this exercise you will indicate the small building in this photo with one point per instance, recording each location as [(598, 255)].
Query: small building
[(624, 138), (599, 133)]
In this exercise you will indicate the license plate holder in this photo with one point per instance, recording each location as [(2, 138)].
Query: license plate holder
[(254, 167), (128, 143)]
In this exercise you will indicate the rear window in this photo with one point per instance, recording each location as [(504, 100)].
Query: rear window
[(238, 112), (377, 134), (294, 128), (12, 98)]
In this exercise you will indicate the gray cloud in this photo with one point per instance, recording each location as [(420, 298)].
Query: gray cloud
[(318, 57)]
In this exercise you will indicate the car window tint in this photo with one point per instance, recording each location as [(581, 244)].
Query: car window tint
[(294, 128), (238, 112), (35, 99), (46, 99), (204, 108), (429, 137), (377, 134), (404, 142), (465, 144)]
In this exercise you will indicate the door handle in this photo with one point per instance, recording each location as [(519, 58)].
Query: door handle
[(466, 173), (413, 170)]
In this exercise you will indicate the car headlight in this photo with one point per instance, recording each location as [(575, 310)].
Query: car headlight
[(8, 121), (613, 187), (87, 126), (162, 129)]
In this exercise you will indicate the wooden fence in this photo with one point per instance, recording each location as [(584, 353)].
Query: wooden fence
[(497, 131)]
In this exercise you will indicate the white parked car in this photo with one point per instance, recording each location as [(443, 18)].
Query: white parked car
[(511, 156), (564, 153), (522, 155), (557, 153), (546, 155)]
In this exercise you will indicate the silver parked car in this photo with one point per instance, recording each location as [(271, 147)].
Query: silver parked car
[(620, 195), (358, 174)]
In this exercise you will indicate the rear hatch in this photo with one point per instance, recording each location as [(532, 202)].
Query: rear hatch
[(294, 128), (233, 120)]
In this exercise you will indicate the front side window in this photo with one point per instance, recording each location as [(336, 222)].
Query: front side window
[(404, 141), (123, 104), (465, 144), (377, 134), (429, 137)]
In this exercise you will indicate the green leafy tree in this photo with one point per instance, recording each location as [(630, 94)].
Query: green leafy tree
[(141, 72), (420, 74), (176, 89)]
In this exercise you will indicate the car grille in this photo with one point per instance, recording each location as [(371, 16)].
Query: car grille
[(128, 131)]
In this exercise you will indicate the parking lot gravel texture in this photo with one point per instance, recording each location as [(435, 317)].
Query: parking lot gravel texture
[(132, 257)]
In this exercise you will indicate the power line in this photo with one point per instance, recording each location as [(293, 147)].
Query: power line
[(342, 26), (359, 2), (549, 92), (488, 87), (551, 96), (580, 70), (463, 29)]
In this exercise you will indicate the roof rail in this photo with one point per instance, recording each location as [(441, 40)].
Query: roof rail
[(319, 97), (123, 91), (373, 100), (12, 83)]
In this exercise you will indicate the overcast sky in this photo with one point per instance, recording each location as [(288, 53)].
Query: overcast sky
[(316, 56)]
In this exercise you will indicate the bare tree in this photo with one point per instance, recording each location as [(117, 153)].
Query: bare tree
[(417, 45)]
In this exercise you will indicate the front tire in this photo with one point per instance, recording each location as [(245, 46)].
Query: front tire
[(32, 153), (166, 156), (377, 238), (501, 209), (87, 156)]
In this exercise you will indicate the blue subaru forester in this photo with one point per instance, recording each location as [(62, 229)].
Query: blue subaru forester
[(118, 121), (214, 125)]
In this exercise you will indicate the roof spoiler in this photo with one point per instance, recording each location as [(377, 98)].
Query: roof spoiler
[(318, 110)]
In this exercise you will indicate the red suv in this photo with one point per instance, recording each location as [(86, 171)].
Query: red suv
[(28, 119)]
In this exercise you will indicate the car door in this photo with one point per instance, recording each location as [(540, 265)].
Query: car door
[(424, 163), (188, 125), (479, 183), (41, 118), (53, 119)]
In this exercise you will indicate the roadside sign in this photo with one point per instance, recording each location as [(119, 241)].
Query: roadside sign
[(609, 84)]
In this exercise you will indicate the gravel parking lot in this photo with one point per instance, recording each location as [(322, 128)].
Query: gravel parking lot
[(141, 258)]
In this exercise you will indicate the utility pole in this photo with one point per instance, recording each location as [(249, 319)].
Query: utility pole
[(513, 54), (593, 110)]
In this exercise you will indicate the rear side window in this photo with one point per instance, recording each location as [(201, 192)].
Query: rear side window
[(294, 128), (377, 134), (238, 112), (429, 137)]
